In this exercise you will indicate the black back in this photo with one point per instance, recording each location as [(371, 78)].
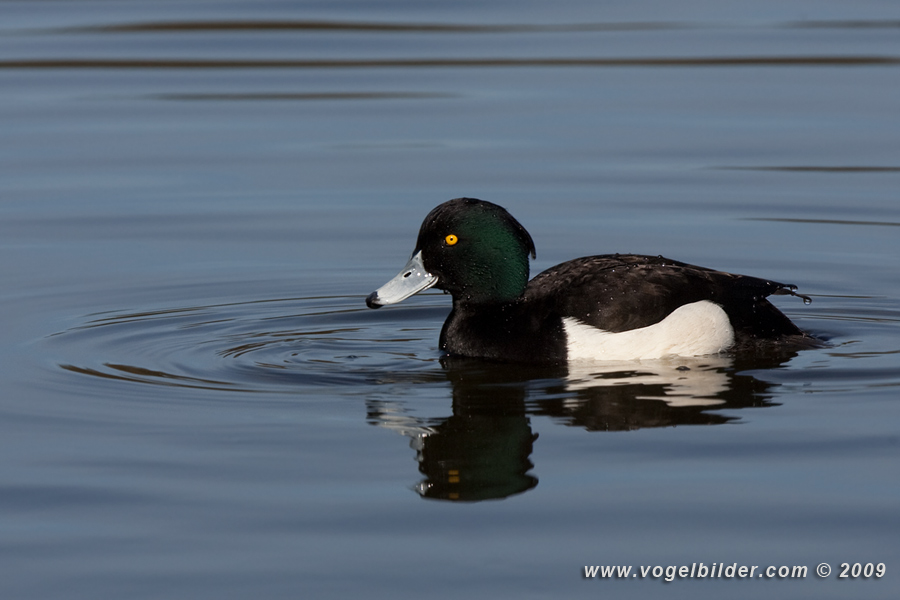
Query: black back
[(622, 292)]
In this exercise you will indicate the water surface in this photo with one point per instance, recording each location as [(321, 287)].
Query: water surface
[(196, 199)]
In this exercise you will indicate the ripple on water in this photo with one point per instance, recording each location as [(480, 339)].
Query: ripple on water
[(254, 346), (282, 345)]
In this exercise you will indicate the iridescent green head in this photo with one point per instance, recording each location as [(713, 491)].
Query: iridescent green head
[(473, 249)]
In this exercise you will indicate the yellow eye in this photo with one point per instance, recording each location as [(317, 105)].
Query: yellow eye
[(451, 239)]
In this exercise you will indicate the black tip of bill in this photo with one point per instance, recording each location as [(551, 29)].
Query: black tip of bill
[(372, 301)]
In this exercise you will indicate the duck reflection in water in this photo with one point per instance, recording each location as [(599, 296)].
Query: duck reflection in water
[(483, 450)]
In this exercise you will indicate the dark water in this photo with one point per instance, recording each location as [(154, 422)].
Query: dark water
[(195, 199)]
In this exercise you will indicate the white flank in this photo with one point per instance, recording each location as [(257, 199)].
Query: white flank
[(691, 330)]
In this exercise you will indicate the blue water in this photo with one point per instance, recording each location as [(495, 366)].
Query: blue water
[(195, 199)]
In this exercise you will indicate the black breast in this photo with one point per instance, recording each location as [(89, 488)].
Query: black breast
[(522, 331)]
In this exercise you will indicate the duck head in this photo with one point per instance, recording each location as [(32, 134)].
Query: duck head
[(472, 249)]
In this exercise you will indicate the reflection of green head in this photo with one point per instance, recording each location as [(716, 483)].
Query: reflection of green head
[(477, 457), (478, 251)]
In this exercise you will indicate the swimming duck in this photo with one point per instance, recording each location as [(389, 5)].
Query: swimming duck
[(608, 307)]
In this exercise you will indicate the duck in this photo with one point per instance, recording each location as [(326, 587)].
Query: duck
[(612, 307)]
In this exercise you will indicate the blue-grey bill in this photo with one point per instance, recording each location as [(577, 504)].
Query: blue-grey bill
[(411, 280)]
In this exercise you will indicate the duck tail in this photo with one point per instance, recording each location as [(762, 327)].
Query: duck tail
[(791, 290)]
